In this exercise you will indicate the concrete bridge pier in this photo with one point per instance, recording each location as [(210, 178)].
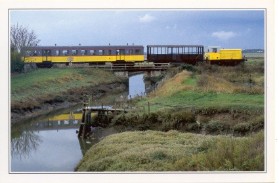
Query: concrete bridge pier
[(153, 73), (121, 73)]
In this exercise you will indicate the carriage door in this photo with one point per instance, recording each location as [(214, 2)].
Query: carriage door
[(46, 55), (120, 55)]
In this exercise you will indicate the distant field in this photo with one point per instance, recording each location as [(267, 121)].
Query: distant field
[(251, 55)]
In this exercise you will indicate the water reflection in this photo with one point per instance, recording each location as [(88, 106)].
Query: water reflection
[(24, 144), (50, 143)]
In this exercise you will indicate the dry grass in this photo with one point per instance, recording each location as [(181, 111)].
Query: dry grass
[(173, 85), (174, 151)]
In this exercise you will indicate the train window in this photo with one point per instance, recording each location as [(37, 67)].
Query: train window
[(82, 52), (65, 52), (180, 50), (57, 52), (28, 53), (45, 52), (214, 50), (74, 52), (169, 50), (137, 51), (109, 52), (195, 50)]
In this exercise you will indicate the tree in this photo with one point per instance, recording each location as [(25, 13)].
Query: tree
[(20, 37)]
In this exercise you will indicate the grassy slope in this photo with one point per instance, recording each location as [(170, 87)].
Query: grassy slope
[(223, 88), (50, 82), (174, 151)]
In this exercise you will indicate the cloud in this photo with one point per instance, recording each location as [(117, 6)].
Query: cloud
[(223, 35), (146, 18)]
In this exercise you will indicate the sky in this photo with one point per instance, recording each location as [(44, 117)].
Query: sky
[(225, 28)]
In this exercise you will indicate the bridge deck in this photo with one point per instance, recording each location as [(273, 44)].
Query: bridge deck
[(132, 68), (98, 109)]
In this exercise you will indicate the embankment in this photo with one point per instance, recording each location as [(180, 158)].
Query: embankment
[(45, 90), (223, 107)]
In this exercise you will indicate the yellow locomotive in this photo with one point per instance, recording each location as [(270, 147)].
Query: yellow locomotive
[(215, 55)]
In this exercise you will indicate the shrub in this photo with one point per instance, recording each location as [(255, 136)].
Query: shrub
[(217, 127), (257, 123), (241, 128), (16, 63), (189, 67)]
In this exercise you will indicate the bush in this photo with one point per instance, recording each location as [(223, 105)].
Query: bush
[(16, 62), (189, 67), (257, 123), (217, 127), (241, 128)]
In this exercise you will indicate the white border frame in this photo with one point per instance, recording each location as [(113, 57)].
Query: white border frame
[(267, 176)]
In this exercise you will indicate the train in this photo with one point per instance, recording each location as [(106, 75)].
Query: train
[(47, 56)]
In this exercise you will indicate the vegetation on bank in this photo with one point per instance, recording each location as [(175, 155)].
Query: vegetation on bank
[(175, 151), (223, 107), (209, 86), (43, 85)]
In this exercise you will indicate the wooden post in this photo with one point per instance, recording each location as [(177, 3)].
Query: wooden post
[(84, 121), (84, 125), (148, 108)]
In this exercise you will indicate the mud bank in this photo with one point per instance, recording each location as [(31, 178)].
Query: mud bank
[(21, 111)]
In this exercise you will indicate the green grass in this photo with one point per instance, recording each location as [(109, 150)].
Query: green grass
[(45, 82), (209, 86), (190, 81), (196, 99), (174, 151)]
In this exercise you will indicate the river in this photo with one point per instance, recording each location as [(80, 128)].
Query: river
[(50, 143)]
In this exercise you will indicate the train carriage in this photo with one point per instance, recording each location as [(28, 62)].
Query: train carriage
[(49, 55), (190, 54)]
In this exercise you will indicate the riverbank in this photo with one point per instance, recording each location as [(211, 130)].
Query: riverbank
[(204, 100), (175, 151), (45, 90)]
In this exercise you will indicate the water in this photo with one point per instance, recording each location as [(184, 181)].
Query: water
[(136, 86), (50, 143)]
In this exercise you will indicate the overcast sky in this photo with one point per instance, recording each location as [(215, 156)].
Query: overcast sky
[(225, 28)]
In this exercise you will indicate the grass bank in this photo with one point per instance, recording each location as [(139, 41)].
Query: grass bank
[(216, 103), (175, 151), (31, 91), (209, 86)]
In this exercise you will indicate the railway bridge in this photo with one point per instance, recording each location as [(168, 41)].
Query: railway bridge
[(125, 70)]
